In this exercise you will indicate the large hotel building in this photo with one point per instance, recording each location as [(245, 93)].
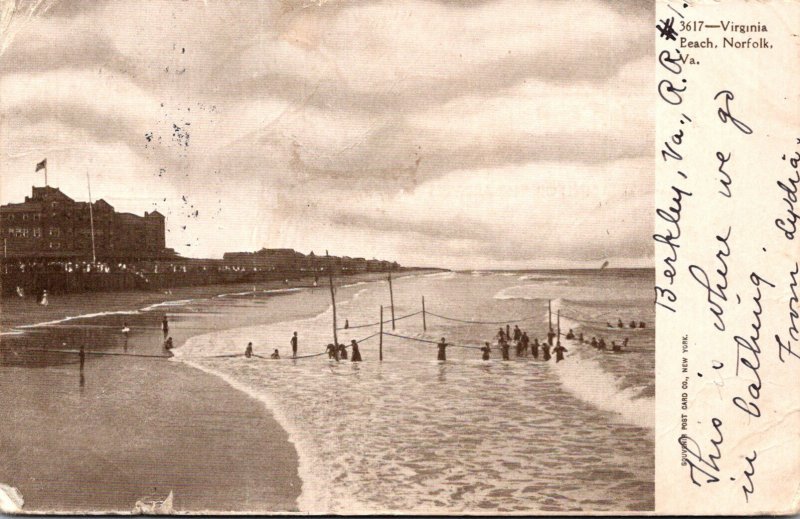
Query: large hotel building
[(51, 225)]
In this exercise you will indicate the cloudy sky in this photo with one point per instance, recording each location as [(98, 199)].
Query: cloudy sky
[(472, 134)]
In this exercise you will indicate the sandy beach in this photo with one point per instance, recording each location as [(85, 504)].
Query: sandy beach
[(134, 427), (15, 311)]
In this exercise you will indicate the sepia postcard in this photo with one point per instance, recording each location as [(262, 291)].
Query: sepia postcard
[(415, 257)]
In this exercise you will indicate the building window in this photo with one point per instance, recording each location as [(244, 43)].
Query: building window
[(24, 216), (54, 231), (36, 217), (37, 232), (25, 232)]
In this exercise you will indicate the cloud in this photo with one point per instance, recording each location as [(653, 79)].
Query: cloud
[(524, 213), (405, 54), (484, 133)]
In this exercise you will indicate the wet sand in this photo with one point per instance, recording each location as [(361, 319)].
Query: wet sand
[(107, 447), (15, 311), (134, 427)]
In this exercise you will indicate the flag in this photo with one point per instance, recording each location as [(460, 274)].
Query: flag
[(41, 165)]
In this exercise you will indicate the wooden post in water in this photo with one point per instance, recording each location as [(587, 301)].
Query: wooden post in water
[(333, 300), (558, 340), (424, 324), (391, 298), (380, 339)]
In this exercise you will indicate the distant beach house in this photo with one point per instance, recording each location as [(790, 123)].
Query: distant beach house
[(291, 260)]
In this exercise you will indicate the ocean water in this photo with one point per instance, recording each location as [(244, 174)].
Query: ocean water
[(411, 434)]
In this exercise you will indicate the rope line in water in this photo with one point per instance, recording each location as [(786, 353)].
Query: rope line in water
[(120, 354), (378, 322), (41, 327), (309, 356), (603, 323), (515, 320), (431, 342), (229, 355), (326, 351)]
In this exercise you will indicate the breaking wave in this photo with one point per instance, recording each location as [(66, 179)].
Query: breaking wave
[(587, 380)]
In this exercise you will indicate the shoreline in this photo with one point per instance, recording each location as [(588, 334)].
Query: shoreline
[(19, 312), (305, 503)]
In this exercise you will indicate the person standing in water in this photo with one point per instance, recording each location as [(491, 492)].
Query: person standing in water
[(165, 325), (504, 347), (275, 354), (248, 351), (525, 342), (559, 351), (342, 352), (486, 351), (356, 355), (517, 333), (168, 347), (535, 348), (332, 351), (294, 345), (546, 352), (508, 332), (442, 346)]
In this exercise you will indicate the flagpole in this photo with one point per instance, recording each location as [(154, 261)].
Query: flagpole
[(42, 165), (91, 213)]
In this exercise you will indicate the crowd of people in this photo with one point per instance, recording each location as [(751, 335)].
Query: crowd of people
[(76, 267), (336, 352), (524, 346), (22, 275), (506, 338), (107, 267)]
